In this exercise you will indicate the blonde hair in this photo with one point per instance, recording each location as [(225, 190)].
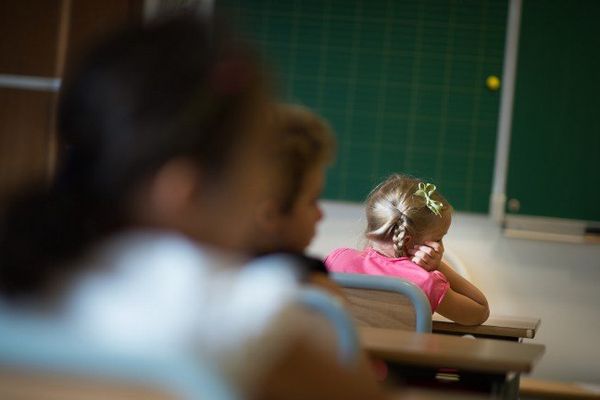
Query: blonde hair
[(306, 142), (394, 211)]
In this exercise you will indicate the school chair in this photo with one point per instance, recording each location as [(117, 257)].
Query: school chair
[(322, 303), (391, 302), (385, 302), (345, 332)]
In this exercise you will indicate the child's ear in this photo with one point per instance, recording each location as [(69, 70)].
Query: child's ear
[(268, 217), (269, 226), (174, 187)]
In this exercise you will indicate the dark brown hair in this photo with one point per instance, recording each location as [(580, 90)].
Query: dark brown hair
[(180, 87)]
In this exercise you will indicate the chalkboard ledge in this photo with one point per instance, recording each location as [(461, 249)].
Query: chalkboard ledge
[(551, 229)]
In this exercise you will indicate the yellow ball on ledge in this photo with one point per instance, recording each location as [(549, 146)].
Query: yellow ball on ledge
[(492, 82)]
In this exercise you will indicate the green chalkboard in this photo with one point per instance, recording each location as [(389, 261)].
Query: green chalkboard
[(554, 166), (401, 82)]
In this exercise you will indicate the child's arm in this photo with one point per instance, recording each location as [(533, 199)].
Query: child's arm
[(461, 285), (463, 303)]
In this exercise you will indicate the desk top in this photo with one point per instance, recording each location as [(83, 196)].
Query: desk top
[(507, 327), (433, 350)]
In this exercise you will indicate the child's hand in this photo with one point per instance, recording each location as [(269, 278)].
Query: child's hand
[(427, 255)]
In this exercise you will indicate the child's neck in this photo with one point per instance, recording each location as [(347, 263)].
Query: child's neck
[(385, 249)]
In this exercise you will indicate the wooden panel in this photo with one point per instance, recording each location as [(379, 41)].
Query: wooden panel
[(445, 351), (29, 31), (28, 37), (36, 37), (381, 309), (26, 121)]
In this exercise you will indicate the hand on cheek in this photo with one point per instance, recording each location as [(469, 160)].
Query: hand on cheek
[(427, 255)]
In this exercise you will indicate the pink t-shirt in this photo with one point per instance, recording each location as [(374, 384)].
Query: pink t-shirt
[(370, 262)]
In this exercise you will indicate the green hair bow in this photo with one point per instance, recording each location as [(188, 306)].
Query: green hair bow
[(425, 191)]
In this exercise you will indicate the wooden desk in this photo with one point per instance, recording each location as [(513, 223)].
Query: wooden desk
[(494, 366), (433, 350), (539, 389), (496, 327)]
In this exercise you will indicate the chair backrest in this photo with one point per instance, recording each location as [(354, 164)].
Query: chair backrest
[(386, 302), (346, 335), (381, 309), (53, 360)]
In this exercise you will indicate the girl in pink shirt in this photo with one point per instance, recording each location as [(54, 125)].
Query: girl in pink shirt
[(406, 222)]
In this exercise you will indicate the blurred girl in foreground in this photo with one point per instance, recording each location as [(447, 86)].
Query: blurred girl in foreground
[(139, 246)]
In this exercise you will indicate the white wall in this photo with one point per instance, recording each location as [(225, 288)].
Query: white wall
[(560, 283)]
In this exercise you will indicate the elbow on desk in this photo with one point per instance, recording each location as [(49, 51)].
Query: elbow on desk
[(475, 317), (479, 314), (485, 312), (472, 320), (484, 315), (464, 310)]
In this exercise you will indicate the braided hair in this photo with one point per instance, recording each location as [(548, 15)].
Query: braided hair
[(395, 213)]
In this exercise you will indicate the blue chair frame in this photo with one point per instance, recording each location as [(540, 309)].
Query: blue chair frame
[(322, 303), (392, 284), (341, 320)]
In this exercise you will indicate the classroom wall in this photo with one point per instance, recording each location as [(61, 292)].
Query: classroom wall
[(558, 282)]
